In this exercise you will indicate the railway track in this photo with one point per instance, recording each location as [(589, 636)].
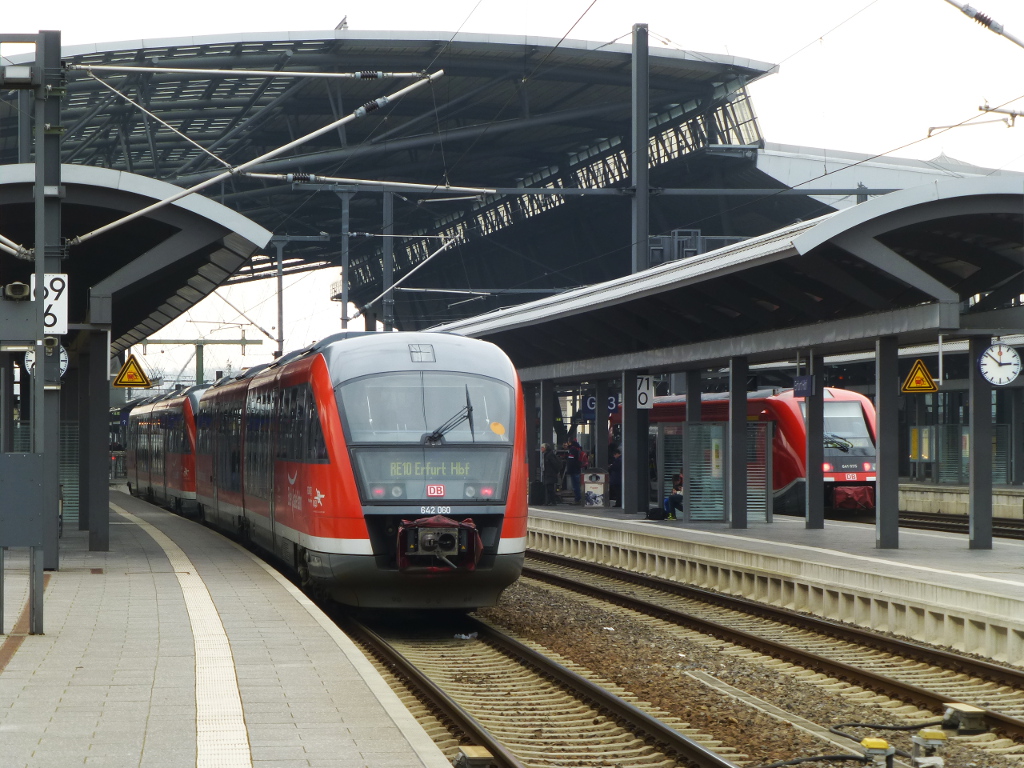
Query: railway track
[(529, 710), (845, 656), (1002, 528)]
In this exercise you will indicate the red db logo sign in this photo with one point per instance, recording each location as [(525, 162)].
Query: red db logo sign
[(435, 490)]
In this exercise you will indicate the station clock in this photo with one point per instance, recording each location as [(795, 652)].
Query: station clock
[(999, 364)]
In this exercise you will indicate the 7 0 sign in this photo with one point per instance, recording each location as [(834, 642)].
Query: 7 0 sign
[(55, 297)]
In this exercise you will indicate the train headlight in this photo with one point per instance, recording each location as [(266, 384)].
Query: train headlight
[(378, 491), (486, 492), (469, 492), (826, 467), (396, 491), (869, 466)]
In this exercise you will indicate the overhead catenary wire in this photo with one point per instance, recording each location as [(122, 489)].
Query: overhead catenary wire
[(164, 123), (444, 246), (311, 178), (362, 111), (986, 21)]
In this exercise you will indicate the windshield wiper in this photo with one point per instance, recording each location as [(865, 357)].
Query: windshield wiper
[(833, 440), (463, 414)]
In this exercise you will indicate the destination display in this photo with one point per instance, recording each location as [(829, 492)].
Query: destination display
[(432, 474)]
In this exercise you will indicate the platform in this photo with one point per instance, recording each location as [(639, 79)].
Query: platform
[(933, 588), (178, 648)]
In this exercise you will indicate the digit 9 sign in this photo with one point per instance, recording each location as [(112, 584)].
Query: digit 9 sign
[(55, 303)]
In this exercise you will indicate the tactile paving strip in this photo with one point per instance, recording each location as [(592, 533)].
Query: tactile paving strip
[(222, 740)]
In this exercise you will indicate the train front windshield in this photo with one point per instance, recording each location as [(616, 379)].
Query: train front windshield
[(429, 437), (846, 430)]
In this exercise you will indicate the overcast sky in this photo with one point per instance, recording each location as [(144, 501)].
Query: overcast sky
[(854, 75)]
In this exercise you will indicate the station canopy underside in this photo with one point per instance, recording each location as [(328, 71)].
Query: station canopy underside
[(508, 112), (942, 258)]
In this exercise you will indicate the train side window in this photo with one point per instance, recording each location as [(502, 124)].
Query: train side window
[(316, 451)]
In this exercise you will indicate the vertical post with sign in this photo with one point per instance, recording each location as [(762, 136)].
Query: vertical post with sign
[(637, 400)]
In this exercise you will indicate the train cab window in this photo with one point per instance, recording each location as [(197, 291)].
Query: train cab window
[(407, 407), (846, 430)]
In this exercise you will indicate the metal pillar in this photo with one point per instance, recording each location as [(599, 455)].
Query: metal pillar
[(980, 443), (533, 439), (640, 151), (737, 473), (279, 245), (814, 492), (96, 458), (547, 411), (6, 402), (1016, 396), (346, 199), (200, 363), (601, 394), (887, 482), (47, 246), (635, 458), (389, 261), (694, 407), (85, 429)]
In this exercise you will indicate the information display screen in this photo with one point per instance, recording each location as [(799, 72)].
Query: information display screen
[(432, 474)]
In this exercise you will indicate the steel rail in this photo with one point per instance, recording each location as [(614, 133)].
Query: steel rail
[(1012, 726), (666, 737), (432, 693)]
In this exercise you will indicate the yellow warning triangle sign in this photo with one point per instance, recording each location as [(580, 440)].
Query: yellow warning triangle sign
[(919, 380), (131, 375)]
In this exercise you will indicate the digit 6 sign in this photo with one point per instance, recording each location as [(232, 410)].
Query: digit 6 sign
[(55, 299)]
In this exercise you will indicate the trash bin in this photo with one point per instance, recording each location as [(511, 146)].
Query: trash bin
[(595, 489)]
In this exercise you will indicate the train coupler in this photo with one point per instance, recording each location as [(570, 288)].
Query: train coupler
[(439, 544)]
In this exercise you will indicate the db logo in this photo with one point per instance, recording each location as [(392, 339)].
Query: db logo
[(851, 475), (435, 490)]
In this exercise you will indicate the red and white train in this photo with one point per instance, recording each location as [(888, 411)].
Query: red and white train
[(388, 469), (849, 443)]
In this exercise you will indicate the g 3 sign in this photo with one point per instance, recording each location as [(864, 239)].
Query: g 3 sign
[(55, 299), (644, 391)]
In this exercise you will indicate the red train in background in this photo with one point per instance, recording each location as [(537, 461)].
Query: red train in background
[(849, 435), (162, 437), (388, 469)]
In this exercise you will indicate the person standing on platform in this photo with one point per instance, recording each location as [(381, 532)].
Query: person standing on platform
[(573, 467), (551, 469), (615, 477)]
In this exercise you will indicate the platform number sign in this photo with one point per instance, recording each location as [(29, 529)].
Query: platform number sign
[(55, 299), (644, 391)]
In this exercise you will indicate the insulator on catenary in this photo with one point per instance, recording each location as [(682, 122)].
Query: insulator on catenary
[(983, 19), (301, 178), (369, 75), (370, 106)]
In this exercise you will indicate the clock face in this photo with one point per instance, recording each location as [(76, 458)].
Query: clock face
[(999, 364), (30, 361)]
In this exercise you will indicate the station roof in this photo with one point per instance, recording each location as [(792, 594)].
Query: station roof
[(152, 269), (509, 111), (945, 257)]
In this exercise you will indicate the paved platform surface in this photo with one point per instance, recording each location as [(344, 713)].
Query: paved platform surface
[(178, 648), (925, 556)]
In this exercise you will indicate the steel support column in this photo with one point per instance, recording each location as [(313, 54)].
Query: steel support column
[(980, 444), (736, 497), (640, 151), (533, 438), (389, 261), (279, 245), (635, 458), (346, 199), (96, 458), (887, 482), (48, 260), (6, 402), (81, 395), (546, 393), (602, 390), (1016, 396), (693, 416), (814, 494)]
